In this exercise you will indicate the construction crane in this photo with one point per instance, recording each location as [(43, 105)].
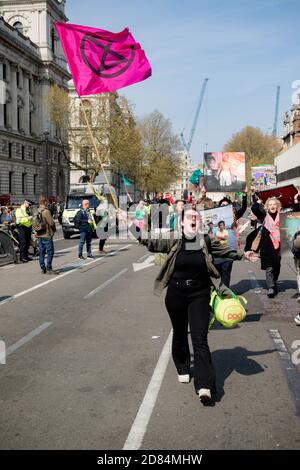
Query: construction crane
[(274, 132), (188, 145)]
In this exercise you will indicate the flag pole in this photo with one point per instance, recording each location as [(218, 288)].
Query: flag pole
[(127, 193), (97, 153)]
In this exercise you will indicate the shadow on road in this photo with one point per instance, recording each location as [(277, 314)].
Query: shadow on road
[(5, 297), (241, 287), (227, 361)]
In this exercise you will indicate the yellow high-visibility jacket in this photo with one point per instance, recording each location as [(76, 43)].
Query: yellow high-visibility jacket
[(22, 217)]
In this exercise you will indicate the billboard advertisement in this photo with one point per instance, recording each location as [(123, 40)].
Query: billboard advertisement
[(224, 171)]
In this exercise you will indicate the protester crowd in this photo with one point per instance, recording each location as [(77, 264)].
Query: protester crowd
[(195, 251)]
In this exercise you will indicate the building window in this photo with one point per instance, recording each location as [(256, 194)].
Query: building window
[(35, 183), (53, 40), (19, 26), (19, 112), (4, 71), (24, 177), (11, 182), (5, 112), (30, 85), (9, 150), (34, 155), (59, 158), (23, 152), (18, 79), (30, 122)]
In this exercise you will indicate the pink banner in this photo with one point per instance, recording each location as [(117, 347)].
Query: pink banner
[(101, 61)]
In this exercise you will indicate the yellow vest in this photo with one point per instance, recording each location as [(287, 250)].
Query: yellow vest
[(22, 218)]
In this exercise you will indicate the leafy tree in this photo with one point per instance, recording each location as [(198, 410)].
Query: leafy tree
[(145, 152), (160, 164)]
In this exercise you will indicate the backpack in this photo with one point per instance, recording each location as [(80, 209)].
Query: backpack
[(38, 223), (228, 311)]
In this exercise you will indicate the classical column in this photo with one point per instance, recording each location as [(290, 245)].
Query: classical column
[(14, 96), (2, 92), (25, 124)]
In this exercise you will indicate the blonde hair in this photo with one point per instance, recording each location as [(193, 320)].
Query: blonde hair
[(272, 199), (206, 202)]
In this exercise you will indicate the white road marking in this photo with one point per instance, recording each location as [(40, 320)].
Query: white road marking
[(146, 264), (57, 278), (27, 338), (280, 346), (71, 248), (142, 258), (106, 283), (291, 372), (140, 424)]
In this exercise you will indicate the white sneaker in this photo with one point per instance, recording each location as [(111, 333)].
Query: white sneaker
[(184, 378), (204, 394), (297, 319)]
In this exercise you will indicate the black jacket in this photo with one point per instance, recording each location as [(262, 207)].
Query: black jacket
[(268, 255), (240, 212), (82, 221)]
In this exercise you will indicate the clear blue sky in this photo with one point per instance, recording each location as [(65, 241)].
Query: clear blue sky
[(246, 48)]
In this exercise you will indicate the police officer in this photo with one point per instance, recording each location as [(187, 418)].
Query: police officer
[(24, 225)]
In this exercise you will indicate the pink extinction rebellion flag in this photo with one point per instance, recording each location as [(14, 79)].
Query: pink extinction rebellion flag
[(101, 61)]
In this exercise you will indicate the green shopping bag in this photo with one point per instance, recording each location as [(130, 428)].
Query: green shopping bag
[(227, 310)]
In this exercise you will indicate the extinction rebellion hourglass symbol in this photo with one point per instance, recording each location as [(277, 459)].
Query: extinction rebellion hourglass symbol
[(111, 63)]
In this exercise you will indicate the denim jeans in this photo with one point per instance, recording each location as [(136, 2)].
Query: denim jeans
[(85, 237), (46, 245)]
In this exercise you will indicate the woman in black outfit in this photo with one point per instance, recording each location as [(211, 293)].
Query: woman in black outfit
[(187, 274), (269, 246), (187, 302)]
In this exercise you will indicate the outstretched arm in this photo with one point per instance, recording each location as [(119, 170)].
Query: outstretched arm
[(154, 245), (240, 212)]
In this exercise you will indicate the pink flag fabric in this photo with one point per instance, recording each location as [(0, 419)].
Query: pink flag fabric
[(101, 61)]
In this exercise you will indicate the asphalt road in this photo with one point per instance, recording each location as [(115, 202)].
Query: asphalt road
[(88, 360)]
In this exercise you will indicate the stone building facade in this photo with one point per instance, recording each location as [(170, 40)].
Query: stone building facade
[(291, 124), (31, 61), (178, 188), (82, 153)]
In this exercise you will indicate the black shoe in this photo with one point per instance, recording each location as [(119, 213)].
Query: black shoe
[(90, 256), (271, 293), (23, 261), (81, 257), (53, 272), (29, 259), (43, 270)]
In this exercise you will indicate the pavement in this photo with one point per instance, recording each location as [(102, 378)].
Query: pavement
[(88, 362)]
